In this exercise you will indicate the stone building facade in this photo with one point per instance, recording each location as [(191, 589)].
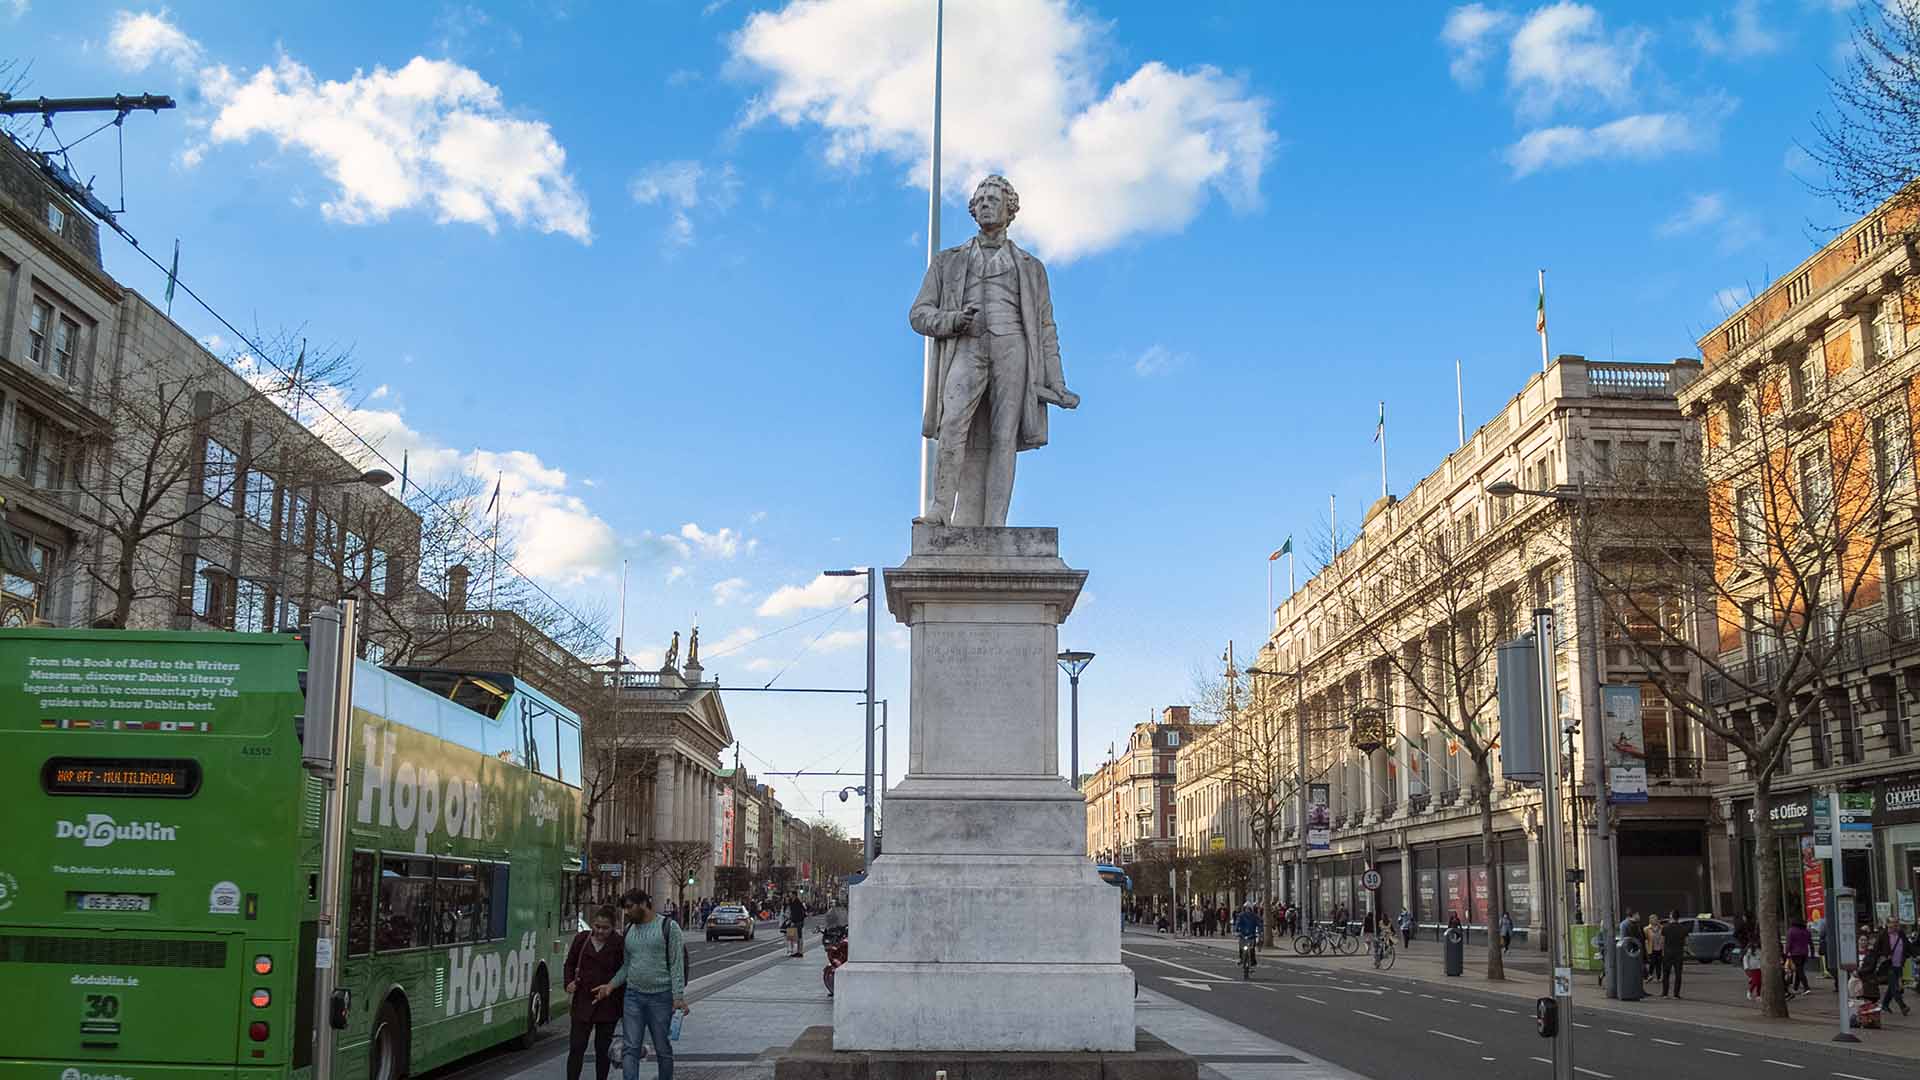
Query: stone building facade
[(1361, 635), (1131, 813), (1808, 400)]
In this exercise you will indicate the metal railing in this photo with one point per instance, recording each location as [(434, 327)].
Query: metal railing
[(1673, 767)]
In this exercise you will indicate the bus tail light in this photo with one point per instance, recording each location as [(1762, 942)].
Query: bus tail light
[(263, 964), (257, 1031), (262, 997)]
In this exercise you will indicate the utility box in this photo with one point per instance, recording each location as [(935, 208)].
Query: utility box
[(1522, 755)]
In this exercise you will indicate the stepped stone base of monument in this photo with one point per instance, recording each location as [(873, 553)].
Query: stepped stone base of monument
[(812, 1057)]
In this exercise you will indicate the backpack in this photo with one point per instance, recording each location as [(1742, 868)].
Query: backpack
[(667, 929)]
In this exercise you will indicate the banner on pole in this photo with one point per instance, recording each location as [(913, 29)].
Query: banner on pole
[(1626, 744), (1319, 817)]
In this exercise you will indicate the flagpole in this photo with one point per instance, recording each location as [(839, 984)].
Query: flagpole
[(1542, 327), (930, 357), (1460, 399), (1289, 572), (1333, 527), (493, 572), (1267, 621), (1383, 449)]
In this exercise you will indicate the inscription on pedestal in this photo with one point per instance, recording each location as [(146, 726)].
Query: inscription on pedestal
[(982, 697)]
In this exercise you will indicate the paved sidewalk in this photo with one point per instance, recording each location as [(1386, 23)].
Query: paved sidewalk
[(1715, 995), (734, 1030)]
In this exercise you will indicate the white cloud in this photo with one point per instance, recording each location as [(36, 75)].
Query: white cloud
[(726, 592), (1563, 54), (20, 7), (1094, 167), (1158, 360), (430, 135), (724, 544), (1643, 136), (1744, 34), (821, 592), (1730, 299), (682, 186), (137, 42), (1468, 34), (675, 574), (1700, 212)]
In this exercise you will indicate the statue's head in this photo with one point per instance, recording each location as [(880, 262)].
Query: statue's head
[(994, 202)]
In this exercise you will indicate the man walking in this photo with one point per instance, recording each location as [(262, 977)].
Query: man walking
[(655, 978), (1673, 939)]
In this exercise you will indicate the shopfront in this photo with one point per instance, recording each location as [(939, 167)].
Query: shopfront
[(1787, 840), (1450, 880), (1896, 827), (1790, 817)]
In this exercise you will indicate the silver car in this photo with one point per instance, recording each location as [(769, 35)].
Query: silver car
[(1709, 940), (730, 920)]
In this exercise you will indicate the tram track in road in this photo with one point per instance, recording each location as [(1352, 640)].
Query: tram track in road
[(1382, 1025)]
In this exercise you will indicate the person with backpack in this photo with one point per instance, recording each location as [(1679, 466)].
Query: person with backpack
[(592, 959), (653, 971)]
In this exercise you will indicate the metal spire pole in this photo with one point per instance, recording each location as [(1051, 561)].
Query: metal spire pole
[(930, 362)]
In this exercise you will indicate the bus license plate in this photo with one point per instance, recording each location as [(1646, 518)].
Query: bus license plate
[(100, 901)]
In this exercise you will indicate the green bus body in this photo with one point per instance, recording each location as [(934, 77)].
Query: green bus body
[(164, 845)]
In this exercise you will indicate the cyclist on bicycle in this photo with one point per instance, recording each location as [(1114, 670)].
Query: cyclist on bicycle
[(1247, 925)]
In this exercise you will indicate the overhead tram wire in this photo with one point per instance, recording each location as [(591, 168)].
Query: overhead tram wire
[(808, 647), (333, 416)]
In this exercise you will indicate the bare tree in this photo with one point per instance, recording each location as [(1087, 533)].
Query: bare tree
[(1868, 141), (1760, 564), (1427, 615), (681, 859)]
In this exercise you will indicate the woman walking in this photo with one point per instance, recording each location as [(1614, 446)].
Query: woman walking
[(796, 926), (592, 959)]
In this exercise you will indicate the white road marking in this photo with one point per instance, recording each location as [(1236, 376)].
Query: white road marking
[(1783, 1064), (1429, 997), (1483, 1057), (1544, 1061), (1511, 1012), (1617, 1031), (1593, 1072), (1450, 1035), (1409, 993), (1375, 1016), (1171, 964), (1477, 1005), (1722, 1053), (1851, 1076), (1315, 1000), (1578, 1024), (1451, 1001), (1667, 1042)]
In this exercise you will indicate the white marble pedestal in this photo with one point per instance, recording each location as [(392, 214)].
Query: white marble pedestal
[(983, 925)]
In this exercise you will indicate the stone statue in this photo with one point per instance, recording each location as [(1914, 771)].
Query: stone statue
[(673, 654), (693, 648), (998, 363)]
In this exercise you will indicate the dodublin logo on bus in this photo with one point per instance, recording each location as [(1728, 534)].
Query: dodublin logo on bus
[(99, 830)]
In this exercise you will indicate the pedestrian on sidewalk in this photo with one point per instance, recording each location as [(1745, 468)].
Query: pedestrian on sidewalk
[(1655, 940), (1750, 963), (1404, 924), (1506, 930), (797, 920), (1370, 926), (592, 959), (1829, 950), (1799, 952), (654, 975), (1673, 934)]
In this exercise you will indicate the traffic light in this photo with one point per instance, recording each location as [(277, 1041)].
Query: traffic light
[(689, 879)]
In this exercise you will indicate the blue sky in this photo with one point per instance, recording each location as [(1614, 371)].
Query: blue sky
[(652, 262)]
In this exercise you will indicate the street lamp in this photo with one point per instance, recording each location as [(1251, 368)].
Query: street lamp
[(866, 789), (1604, 856), (1073, 662), (1300, 765)]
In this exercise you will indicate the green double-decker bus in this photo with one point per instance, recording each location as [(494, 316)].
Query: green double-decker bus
[(160, 883)]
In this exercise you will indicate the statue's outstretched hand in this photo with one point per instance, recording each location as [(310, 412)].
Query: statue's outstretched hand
[(1061, 396)]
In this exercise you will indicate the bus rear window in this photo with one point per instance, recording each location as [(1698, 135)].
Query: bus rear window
[(163, 778)]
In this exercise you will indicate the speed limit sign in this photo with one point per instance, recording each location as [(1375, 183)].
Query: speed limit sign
[(1370, 880)]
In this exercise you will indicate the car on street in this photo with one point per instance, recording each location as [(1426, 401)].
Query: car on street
[(1709, 940), (730, 920)]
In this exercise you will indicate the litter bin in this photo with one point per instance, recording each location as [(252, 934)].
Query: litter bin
[(1632, 963), (1456, 950), (1586, 948)]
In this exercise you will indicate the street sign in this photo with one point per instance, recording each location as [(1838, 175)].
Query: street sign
[(1370, 880), (1217, 843)]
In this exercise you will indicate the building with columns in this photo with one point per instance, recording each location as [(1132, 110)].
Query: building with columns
[(1358, 651)]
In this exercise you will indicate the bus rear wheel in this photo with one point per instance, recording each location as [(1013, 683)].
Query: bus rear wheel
[(389, 1045), (536, 1012)]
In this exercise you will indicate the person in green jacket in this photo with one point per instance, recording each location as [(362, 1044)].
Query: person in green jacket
[(655, 979)]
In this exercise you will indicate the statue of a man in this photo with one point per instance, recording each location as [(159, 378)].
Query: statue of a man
[(673, 654), (998, 363)]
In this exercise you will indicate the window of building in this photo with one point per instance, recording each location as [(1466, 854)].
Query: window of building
[(1602, 459), (1739, 419), (1173, 738), (209, 590), (1748, 525), (1892, 451), (1816, 486), (293, 520), (262, 493), (66, 339), (326, 538), (291, 613), (250, 607), (377, 572), (356, 561), (30, 589), (216, 482), (1760, 628), (1870, 236), (1883, 331), (1903, 590), (36, 449), (1809, 377), (1800, 287), (56, 216), (39, 325)]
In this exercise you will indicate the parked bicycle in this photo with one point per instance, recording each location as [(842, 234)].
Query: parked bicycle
[(1316, 940)]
